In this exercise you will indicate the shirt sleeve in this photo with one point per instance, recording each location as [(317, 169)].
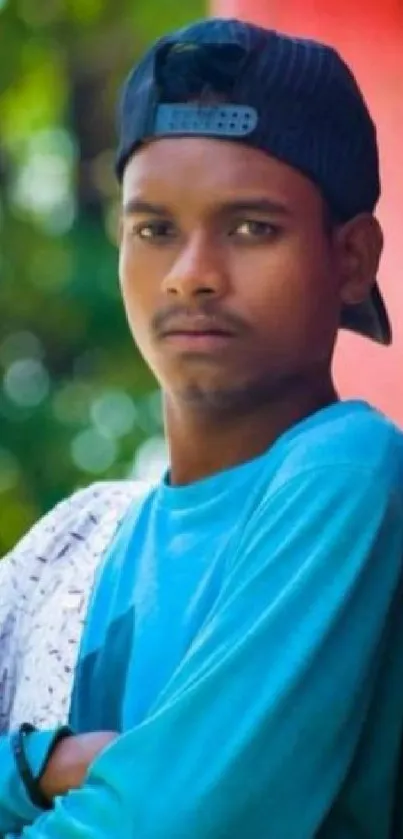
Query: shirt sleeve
[(19, 571), (16, 807), (20, 574), (97, 509), (257, 728)]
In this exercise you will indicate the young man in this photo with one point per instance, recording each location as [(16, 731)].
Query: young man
[(241, 666)]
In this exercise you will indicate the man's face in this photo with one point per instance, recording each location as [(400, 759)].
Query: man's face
[(229, 278)]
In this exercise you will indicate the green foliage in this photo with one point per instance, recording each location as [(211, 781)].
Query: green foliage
[(76, 401)]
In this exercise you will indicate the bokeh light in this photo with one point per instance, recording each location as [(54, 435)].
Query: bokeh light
[(151, 460), (26, 382), (114, 414), (44, 186), (92, 452)]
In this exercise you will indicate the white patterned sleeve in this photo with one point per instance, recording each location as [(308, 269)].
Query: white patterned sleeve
[(66, 543), (20, 573)]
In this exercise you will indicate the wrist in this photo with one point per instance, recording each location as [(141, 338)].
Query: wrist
[(32, 751)]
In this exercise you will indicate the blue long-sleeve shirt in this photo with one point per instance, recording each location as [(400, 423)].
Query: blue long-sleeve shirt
[(245, 636)]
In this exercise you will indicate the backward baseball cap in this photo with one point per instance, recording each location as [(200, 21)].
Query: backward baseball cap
[(292, 98)]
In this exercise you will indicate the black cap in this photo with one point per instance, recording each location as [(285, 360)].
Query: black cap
[(292, 98)]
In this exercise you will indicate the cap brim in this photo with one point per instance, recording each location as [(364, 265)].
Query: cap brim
[(369, 318)]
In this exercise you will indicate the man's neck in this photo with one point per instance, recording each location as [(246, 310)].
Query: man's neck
[(201, 445)]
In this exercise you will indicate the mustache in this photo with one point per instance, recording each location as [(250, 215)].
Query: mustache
[(168, 316)]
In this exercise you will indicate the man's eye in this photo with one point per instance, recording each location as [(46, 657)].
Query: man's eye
[(154, 230), (253, 229)]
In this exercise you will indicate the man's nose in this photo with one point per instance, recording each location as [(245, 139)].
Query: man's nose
[(199, 270)]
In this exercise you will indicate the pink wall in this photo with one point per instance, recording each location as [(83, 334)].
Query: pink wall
[(369, 34)]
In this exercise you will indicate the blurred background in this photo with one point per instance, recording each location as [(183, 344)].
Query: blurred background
[(76, 402)]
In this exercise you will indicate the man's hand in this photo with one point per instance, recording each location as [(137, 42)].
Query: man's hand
[(70, 760)]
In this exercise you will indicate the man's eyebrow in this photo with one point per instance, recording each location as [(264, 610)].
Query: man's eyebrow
[(245, 205), (257, 205), (138, 206)]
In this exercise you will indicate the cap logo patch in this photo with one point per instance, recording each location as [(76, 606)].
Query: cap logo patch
[(214, 120)]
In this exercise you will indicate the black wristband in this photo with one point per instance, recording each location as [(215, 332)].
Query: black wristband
[(31, 783)]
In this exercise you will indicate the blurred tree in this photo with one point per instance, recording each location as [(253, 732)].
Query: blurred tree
[(76, 402)]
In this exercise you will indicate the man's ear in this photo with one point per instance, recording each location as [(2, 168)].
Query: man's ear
[(360, 245)]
